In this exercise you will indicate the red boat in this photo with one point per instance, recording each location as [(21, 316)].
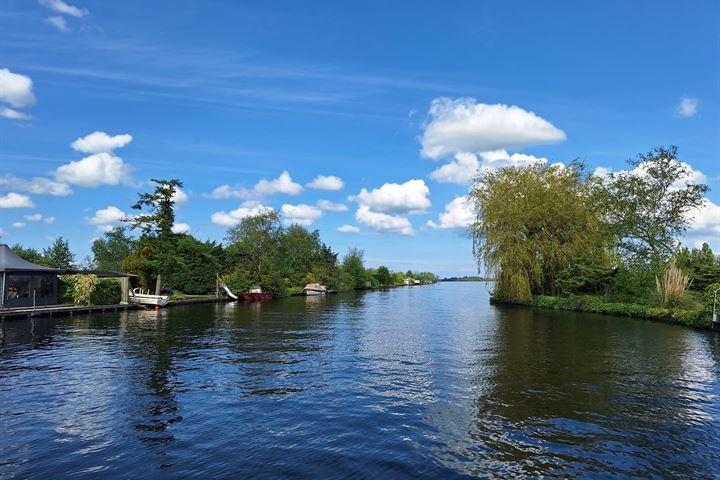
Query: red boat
[(256, 295)]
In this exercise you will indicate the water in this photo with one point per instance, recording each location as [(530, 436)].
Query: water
[(416, 382)]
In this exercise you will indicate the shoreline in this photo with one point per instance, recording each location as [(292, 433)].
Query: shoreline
[(678, 316)]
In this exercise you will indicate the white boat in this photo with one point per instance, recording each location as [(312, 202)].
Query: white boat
[(312, 289), (137, 296)]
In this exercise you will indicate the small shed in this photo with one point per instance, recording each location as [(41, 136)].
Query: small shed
[(24, 284)]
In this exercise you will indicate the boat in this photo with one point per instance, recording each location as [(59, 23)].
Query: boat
[(256, 295), (137, 296), (312, 289)]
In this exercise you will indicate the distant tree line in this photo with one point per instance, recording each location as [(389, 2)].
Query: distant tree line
[(258, 252)]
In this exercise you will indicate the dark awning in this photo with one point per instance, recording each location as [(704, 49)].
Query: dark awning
[(10, 262)]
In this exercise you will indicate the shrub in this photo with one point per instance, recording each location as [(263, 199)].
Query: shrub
[(107, 292), (88, 290), (66, 288), (84, 288)]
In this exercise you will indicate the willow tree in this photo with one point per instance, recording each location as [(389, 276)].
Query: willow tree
[(530, 223)]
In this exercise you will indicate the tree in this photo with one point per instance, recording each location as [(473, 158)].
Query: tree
[(30, 254), (530, 223), (701, 264), (110, 251), (649, 206), (59, 255), (354, 265), (161, 204), (383, 275)]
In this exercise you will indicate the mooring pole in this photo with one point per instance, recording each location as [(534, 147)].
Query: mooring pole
[(158, 282), (715, 321)]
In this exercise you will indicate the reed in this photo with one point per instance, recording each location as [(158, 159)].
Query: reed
[(672, 286)]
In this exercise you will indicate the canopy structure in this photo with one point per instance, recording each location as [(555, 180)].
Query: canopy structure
[(24, 284)]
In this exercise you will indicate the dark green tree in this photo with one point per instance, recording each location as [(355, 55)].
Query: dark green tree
[(383, 275), (354, 266), (110, 251), (30, 254), (59, 255), (161, 206)]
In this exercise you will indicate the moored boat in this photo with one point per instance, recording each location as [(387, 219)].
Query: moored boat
[(312, 289), (256, 295), (137, 296)]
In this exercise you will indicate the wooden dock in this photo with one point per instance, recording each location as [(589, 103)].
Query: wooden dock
[(70, 310)]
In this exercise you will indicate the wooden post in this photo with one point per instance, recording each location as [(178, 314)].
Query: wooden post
[(158, 282), (124, 289), (217, 285)]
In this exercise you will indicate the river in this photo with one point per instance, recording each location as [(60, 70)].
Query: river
[(419, 382)]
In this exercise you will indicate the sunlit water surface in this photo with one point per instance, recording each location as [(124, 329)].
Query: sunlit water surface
[(415, 382)]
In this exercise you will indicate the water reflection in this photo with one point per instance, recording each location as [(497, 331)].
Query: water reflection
[(423, 382)]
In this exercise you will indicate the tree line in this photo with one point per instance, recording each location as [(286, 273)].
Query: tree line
[(558, 230), (260, 251)]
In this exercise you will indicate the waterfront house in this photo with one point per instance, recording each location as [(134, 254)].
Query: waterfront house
[(24, 284)]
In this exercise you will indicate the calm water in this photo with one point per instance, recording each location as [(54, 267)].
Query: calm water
[(416, 382)]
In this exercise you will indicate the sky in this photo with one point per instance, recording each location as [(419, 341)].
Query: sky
[(365, 120)]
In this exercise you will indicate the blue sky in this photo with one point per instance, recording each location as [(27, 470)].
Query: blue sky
[(402, 99)]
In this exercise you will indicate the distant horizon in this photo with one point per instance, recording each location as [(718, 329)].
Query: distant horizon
[(366, 123)]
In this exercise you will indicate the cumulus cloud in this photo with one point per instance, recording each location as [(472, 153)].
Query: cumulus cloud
[(49, 220), (18, 225), (58, 22), (322, 182), (16, 200), (382, 222), (464, 125), (232, 218), (410, 197), (300, 214), (348, 229), (328, 206), (35, 217), (688, 107), (706, 221), (16, 91), (180, 197), (101, 142), (462, 170), (94, 170), (693, 177), (181, 228), (458, 214), (109, 216), (62, 7), (283, 184), (36, 186)]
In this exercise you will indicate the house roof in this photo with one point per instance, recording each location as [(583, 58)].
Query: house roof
[(10, 262)]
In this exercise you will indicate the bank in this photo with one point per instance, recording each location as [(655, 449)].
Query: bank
[(690, 318)]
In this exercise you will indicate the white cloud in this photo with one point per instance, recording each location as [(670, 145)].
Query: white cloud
[(16, 200), (16, 89), (706, 221), (693, 176), (101, 142), (94, 170), (109, 216), (18, 225), (462, 170), (49, 220), (300, 214), (383, 222), (458, 214), (61, 7), (35, 217), (247, 209), (180, 197), (348, 229), (410, 197), (58, 22), (283, 184), (322, 182), (329, 206), (688, 107), (36, 186), (181, 228), (13, 114), (463, 125)]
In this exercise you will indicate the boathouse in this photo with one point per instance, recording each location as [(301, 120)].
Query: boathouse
[(24, 284)]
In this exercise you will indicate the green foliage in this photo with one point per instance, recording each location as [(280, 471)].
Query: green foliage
[(531, 222), (383, 275), (587, 274), (59, 255), (691, 318), (84, 290), (354, 265), (31, 255), (709, 297), (187, 264), (702, 265), (161, 204), (646, 209), (110, 251)]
